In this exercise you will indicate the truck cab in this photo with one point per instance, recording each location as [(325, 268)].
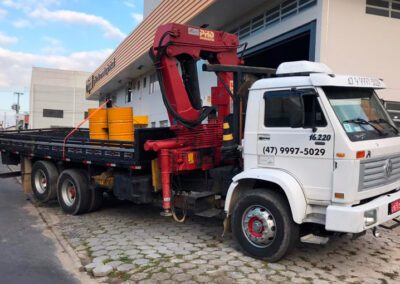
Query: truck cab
[(318, 149)]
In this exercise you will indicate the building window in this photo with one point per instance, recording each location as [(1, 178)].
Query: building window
[(272, 16), (55, 113), (128, 95), (144, 82), (130, 88), (257, 23), (138, 85), (385, 8), (163, 123), (288, 8), (153, 83)]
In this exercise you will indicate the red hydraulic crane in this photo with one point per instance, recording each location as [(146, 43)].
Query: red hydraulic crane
[(198, 129)]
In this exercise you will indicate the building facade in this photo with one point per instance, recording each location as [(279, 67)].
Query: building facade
[(353, 37), (57, 98)]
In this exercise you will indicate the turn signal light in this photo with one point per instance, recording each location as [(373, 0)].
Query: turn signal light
[(340, 155), (339, 195), (360, 154)]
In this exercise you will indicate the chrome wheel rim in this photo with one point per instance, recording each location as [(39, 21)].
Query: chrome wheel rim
[(68, 192), (259, 226), (40, 181)]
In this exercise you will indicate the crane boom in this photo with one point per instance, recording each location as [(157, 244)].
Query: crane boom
[(186, 45), (177, 49)]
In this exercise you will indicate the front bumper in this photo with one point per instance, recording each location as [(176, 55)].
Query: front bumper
[(351, 219)]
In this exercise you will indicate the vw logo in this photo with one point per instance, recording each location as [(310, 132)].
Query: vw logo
[(388, 168)]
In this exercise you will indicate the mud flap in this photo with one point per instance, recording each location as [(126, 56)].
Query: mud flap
[(227, 225)]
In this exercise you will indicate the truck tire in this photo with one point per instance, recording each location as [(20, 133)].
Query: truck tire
[(263, 226), (73, 192), (96, 194), (44, 181), (96, 199)]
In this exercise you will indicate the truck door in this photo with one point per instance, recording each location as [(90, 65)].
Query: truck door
[(295, 135)]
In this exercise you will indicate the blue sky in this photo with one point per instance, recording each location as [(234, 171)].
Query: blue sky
[(67, 34)]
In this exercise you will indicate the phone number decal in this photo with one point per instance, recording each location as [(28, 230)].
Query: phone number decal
[(293, 151)]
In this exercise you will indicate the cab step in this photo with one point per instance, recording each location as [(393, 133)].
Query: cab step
[(313, 239)]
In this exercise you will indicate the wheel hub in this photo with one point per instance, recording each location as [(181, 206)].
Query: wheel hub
[(40, 181), (259, 226), (256, 227), (71, 192), (68, 192)]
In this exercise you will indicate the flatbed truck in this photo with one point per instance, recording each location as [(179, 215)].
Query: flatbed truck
[(303, 152)]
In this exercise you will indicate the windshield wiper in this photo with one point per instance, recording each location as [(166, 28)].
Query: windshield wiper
[(380, 120), (361, 121)]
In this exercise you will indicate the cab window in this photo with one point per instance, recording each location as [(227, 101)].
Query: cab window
[(293, 108)]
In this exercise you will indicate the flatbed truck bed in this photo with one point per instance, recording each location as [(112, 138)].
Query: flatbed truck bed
[(49, 144)]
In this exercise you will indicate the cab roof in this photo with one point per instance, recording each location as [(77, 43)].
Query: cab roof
[(306, 73)]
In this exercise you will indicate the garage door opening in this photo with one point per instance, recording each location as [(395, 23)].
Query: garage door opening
[(292, 50), (295, 45)]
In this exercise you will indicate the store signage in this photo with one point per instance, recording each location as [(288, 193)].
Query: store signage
[(92, 81)]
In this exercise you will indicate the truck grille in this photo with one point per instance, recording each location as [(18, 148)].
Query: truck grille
[(378, 172)]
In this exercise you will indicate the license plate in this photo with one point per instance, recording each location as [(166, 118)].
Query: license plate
[(394, 206)]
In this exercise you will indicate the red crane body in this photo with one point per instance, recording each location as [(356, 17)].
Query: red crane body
[(197, 145)]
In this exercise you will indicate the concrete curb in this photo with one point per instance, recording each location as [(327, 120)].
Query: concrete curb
[(61, 240)]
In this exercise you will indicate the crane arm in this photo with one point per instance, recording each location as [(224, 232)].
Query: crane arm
[(176, 50)]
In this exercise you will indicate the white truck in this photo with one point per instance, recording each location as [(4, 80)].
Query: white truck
[(319, 155), (320, 151)]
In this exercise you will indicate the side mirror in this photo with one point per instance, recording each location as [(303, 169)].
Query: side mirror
[(295, 107)]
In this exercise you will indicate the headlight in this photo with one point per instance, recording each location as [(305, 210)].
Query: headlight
[(370, 217)]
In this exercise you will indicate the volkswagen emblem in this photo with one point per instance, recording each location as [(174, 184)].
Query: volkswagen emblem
[(388, 168)]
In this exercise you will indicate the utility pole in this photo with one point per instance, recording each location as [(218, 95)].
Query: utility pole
[(17, 108)]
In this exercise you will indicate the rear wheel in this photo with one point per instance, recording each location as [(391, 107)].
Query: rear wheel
[(44, 181), (263, 226), (95, 194), (73, 192), (96, 199)]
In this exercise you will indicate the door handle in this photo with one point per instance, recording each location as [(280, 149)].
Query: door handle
[(263, 138)]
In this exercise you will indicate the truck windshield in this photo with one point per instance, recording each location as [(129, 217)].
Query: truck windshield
[(361, 113)]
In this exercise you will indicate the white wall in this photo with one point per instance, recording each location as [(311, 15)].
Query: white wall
[(144, 102), (59, 90), (354, 42)]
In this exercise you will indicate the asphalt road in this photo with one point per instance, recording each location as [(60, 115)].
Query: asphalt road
[(26, 254)]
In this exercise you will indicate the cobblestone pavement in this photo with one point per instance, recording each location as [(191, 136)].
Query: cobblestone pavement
[(131, 243)]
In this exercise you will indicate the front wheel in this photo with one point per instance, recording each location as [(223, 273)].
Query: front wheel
[(263, 226)]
